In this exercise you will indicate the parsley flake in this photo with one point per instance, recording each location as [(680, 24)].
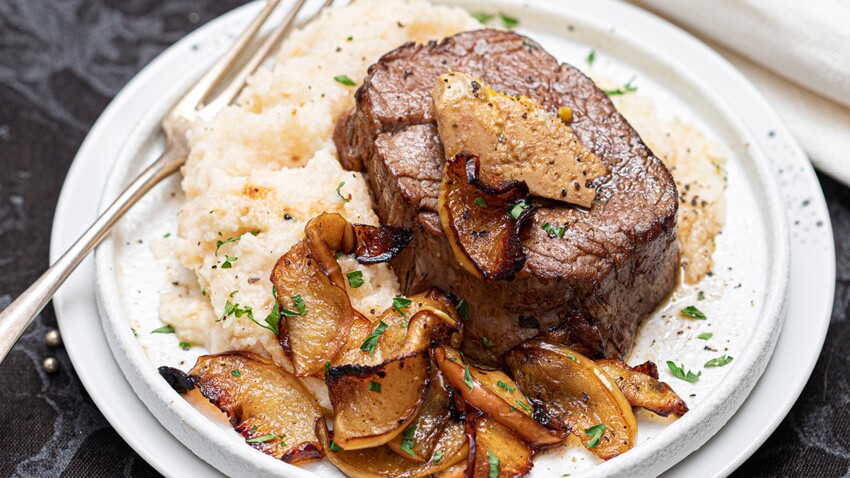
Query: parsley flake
[(265, 438), (524, 406), (185, 345), (163, 330), (371, 341), (509, 22), (554, 231), (692, 312), (438, 455), (572, 357), (463, 309), (345, 80), (595, 432), (374, 386), (591, 57), (236, 373), (339, 193), (507, 387), (355, 279), (487, 342), (701, 295), (678, 371), (467, 378), (705, 336), (299, 303), (719, 361), (481, 202), (400, 303), (493, 462), (221, 242), (228, 262), (483, 18), (627, 88), (407, 442), (516, 210), (334, 447)]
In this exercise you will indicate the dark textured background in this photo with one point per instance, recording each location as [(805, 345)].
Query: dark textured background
[(60, 64)]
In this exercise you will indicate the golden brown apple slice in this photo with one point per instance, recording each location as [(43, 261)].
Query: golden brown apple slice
[(495, 450), (481, 217), (576, 395), (418, 441), (516, 138), (373, 403), (642, 389), (495, 393), (382, 462), (268, 406)]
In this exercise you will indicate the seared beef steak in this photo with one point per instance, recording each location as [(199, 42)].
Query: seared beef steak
[(615, 261)]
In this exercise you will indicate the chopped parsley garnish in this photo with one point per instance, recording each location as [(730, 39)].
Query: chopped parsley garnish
[(327, 364), (591, 57), (166, 235), (705, 336), (467, 377), (407, 441), (228, 262), (509, 22), (483, 18), (516, 210), (487, 342), (374, 386), (334, 447), (494, 464), (554, 231), (234, 293), (438, 455), (719, 361), (273, 319), (572, 357), (627, 88), (349, 38), (701, 295), (265, 438), (355, 279), (339, 193), (463, 309), (221, 242), (400, 303), (692, 312), (678, 371), (481, 202), (523, 406), (299, 303), (371, 341), (204, 292), (167, 329), (345, 80), (185, 345), (595, 432), (236, 373), (507, 387)]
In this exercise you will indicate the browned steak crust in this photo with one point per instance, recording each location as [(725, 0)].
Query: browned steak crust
[(616, 261)]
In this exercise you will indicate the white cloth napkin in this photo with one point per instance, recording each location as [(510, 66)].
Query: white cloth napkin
[(797, 52)]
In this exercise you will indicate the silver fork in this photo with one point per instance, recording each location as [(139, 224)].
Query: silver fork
[(196, 104)]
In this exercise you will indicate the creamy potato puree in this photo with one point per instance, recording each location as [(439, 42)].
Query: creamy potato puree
[(260, 169)]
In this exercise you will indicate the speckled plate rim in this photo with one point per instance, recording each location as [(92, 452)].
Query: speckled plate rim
[(67, 227)]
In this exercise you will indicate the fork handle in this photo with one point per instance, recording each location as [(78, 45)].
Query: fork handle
[(15, 318)]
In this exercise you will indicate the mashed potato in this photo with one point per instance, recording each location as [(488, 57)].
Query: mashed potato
[(259, 170)]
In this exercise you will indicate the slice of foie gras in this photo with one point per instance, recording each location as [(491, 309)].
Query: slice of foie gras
[(515, 138)]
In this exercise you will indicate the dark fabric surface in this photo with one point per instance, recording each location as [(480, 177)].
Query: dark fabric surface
[(60, 64)]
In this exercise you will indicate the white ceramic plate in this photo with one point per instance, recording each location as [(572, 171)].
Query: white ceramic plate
[(170, 69)]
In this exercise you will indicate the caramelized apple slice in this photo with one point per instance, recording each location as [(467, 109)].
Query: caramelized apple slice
[(494, 392), (495, 450), (481, 217), (576, 395), (373, 403), (312, 333), (418, 440), (268, 406), (642, 389), (382, 462)]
